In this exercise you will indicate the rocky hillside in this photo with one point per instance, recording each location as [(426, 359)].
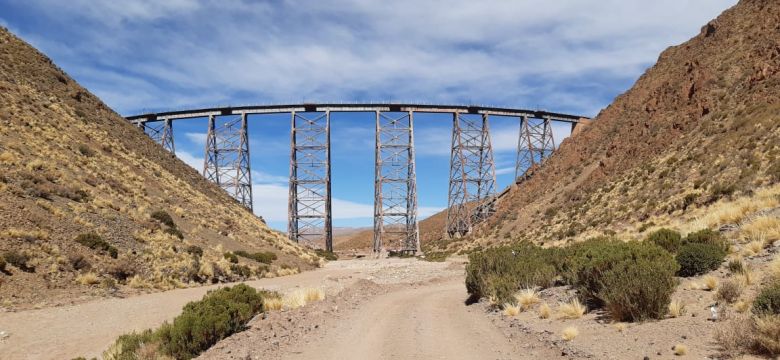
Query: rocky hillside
[(700, 125), (90, 206)]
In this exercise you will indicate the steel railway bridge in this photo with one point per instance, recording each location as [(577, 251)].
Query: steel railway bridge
[(472, 179)]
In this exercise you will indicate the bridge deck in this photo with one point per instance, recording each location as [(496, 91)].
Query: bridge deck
[(357, 107)]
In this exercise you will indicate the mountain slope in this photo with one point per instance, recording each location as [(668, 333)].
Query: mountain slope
[(700, 125), (85, 199)]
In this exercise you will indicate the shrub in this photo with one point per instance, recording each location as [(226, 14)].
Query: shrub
[(79, 262), (19, 260), (736, 266), (767, 334), (667, 239), (729, 291), (262, 257), (768, 300), (194, 250), (639, 289), (95, 242), (164, 218), (241, 270), (126, 346), (699, 258), (570, 333), (203, 323), (327, 255), (86, 150), (707, 236), (500, 272), (175, 232), (231, 257), (2, 264)]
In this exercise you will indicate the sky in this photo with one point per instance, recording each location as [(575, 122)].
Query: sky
[(569, 56)]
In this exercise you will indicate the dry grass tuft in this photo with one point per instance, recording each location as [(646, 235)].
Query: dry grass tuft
[(301, 297), (765, 229), (570, 333), (571, 310), (544, 311), (676, 308), (272, 303), (710, 282), (313, 295), (753, 248), (511, 310), (680, 350), (741, 306), (767, 333), (774, 268), (527, 298), (88, 279), (620, 327)]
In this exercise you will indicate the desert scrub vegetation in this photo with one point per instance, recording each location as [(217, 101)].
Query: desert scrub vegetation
[(633, 281), (668, 239), (18, 260), (699, 258), (201, 324), (95, 242), (261, 256), (757, 332)]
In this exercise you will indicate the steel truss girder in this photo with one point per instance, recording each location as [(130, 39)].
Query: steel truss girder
[(226, 160), (535, 144), (472, 174), (309, 206), (395, 184), (161, 133)]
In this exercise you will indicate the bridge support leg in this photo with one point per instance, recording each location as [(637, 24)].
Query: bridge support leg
[(472, 174), (161, 133), (309, 218), (395, 184), (535, 143), (226, 161)]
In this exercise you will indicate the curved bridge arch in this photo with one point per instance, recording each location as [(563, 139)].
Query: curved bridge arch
[(472, 186)]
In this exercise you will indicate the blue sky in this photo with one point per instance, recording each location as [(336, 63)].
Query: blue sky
[(569, 56)]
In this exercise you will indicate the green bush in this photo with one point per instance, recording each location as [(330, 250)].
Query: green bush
[(218, 315), (699, 258), (768, 300), (736, 266), (707, 236), (241, 270), (639, 288), (95, 242), (500, 272), (231, 257), (667, 239), (262, 257), (164, 218), (201, 324), (195, 250), (19, 260), (589, 263)]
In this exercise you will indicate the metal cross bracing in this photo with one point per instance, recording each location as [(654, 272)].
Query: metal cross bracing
[(161, 133), (535, 144), (472, 174), (226, 160), (395, 184), (309, 212)]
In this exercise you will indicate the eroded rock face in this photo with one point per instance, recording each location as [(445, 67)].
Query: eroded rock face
[(705, 116)]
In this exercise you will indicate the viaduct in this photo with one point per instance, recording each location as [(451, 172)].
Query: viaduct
[(472, 184)]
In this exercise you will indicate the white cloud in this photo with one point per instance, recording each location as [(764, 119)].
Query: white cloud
[(194, 161), (565, 55), (197, 138)]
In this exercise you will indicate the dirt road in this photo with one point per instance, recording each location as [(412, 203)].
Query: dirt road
[(429, 322)]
